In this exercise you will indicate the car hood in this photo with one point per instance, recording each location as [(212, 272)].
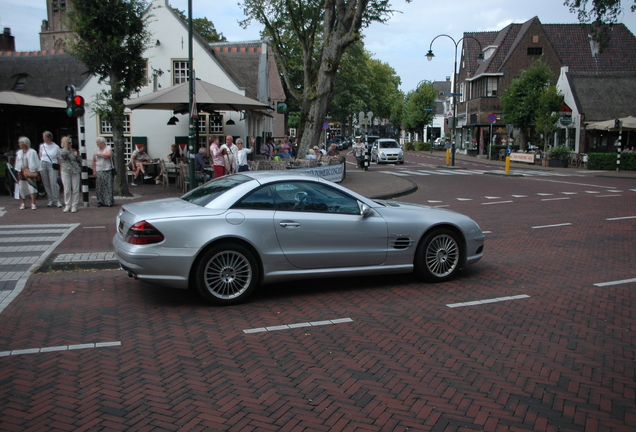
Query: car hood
[(168, 208)]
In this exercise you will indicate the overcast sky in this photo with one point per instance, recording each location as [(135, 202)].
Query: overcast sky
[(402, 42)]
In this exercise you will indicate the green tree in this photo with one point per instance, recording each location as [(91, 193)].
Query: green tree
[(601, 14), (384, 88), (110, 39), (324, 29), (352, 85), (203, 26), (550, 102), (419, 107), (521, 102)]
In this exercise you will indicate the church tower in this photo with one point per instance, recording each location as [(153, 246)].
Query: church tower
[(54, 29)]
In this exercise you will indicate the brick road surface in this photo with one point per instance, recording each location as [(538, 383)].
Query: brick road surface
[(560, 357)]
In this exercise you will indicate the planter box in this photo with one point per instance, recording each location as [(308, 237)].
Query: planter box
[(558, 163)]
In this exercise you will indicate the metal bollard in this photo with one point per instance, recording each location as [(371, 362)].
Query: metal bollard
[(507, 164), (448, 157)]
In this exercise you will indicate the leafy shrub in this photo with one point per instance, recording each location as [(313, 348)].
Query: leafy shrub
[(607, 161), (559, 152)]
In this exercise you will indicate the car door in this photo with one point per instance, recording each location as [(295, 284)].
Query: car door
[(318, 226)]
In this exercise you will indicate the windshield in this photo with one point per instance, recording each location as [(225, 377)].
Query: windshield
[(389, 144), (209, 191)]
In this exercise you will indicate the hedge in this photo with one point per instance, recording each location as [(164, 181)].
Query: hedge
[(607, 161)]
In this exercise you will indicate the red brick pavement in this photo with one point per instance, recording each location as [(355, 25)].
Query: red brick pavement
[(561, 360)]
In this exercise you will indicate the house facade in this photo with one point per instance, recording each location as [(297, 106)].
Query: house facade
[(515, 48), (245, 68)]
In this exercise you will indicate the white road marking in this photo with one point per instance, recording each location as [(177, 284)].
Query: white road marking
[(496, 202), (545, 194), (605, 196), (464, 199), (490, 197), (298, 325), (551, 226), (620, 282), (59, 348), (555, 199), (481, 302), (621, 218), (520, 196)]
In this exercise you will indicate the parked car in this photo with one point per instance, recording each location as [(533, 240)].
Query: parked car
[(387, 150), (240, 231), (439, 143)]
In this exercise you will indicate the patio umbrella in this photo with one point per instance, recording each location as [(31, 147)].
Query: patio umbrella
[(208, 97), (629, 123), (15, 98)]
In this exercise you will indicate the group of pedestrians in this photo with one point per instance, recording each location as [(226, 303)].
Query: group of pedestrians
[(49, 163), (228, 158)]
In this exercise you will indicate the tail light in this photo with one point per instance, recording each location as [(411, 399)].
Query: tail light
[(143, 233)]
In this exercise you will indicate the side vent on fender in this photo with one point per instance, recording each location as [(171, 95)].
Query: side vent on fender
[(402, 243)]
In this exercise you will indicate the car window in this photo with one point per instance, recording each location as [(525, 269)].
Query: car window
[(208, 192), (389, 144), (312, 197), (260, 199)]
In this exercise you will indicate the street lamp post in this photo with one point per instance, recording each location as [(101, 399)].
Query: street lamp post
[(429, 56)]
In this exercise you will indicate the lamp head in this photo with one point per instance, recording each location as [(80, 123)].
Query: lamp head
[(430, 55), (173, 121), (480, 58)]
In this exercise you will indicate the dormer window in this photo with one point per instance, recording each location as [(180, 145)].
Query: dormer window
[(535, 51), (20, 82)]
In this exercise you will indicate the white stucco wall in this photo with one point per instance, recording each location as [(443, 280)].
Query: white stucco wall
[(172, 34)]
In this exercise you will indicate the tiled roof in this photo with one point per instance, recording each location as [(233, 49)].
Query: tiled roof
[(569, 41), (572, 44), (48, 72)]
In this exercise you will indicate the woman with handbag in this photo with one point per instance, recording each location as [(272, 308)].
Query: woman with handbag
[(102, 169), (49, 168), (27, 164), (71, 168)]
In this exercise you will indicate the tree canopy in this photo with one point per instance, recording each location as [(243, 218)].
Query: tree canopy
[(323, 29), (419, 107), (525, 100)]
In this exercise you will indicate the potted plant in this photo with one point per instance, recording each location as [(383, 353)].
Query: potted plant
[(558, 157)]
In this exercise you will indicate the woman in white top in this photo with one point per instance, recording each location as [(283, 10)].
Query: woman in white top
[(71, 167), (49, 155), (27, 157), (241, 156), (102, 167)]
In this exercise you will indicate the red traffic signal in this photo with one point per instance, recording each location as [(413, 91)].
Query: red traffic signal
[(78, 106)]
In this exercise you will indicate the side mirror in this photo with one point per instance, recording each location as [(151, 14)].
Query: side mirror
[(365, 210)]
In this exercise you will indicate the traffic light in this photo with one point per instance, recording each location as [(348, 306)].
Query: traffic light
[(78, 106), (617, 124), (70, 100)]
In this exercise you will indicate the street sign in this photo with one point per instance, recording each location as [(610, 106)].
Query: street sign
[(492, 118), (325, 126)]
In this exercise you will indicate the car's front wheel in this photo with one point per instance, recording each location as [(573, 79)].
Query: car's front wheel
[(438, 256), (226, 274)]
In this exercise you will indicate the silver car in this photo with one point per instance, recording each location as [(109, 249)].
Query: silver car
[(387, 150), (237, 232)]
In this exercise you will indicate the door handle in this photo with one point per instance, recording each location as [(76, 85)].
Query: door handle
[(289, 224)]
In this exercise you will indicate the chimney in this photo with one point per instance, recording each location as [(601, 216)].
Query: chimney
[(7, 42)]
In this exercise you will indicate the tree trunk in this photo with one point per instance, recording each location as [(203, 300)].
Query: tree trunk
[(319, 93)]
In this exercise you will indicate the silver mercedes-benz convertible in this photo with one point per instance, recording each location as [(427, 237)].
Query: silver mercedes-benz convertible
[(237, 232)]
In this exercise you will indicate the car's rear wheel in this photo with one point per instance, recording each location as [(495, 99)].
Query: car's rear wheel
[(438, 256), (226, 274)]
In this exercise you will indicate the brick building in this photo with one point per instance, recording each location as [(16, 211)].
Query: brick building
[(514, 48)]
